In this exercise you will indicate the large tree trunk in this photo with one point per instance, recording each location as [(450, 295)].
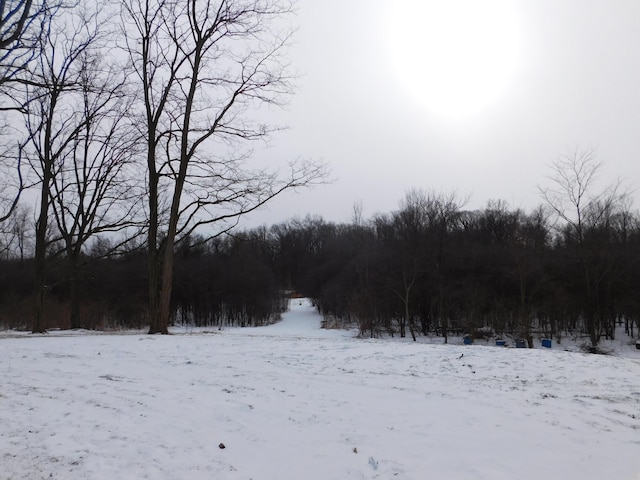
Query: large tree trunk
[(153, 251), (164, 282), (167, 255), (154, 256), (39, 324), (166, 287), (154, 282)]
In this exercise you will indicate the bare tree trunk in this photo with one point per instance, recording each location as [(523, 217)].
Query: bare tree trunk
[(154, 253), (164, 311), (46, 162), (39, 323), (154, 282)]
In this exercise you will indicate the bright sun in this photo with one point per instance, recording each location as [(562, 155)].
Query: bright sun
[(455, 56)]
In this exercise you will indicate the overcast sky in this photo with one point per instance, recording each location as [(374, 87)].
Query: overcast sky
[(535, 79)]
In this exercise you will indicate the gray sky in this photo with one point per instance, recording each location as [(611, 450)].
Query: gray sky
[(572, 80)]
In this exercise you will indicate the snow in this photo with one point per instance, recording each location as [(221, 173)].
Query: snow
[(293, 401)]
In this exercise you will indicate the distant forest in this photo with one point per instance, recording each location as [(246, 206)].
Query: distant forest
[(132, 123), (429, 268)]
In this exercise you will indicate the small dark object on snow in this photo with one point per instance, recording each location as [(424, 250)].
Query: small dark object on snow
[(221, 446), (355, 449), (461, 355)]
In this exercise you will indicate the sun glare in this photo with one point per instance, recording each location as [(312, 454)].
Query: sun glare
[(455, 56)]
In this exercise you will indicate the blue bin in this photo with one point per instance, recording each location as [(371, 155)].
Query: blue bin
[(546, 342), (521, 344), (501, 343), (468, 340)]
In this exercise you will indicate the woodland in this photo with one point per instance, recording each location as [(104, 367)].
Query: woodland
[(429, 268), (126, 154)]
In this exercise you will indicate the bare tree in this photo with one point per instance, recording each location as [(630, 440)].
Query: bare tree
[(202, 66), (583, 208), (95, 191), (573, 194), (70, 146)]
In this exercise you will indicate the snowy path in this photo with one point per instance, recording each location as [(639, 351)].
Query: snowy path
[(301, 321), (291, 401)]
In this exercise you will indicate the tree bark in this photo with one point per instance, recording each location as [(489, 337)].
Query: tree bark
[(39, 323)]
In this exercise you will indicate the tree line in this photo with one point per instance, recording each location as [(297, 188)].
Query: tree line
[(132, 123), (569, 267), (431, 267), (226, 281)]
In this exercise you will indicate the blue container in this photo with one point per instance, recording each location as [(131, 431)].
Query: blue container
[(467, 340), (501, 343), (546, 342), (521, 344)]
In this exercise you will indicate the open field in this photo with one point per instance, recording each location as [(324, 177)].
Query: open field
[(292, 401)]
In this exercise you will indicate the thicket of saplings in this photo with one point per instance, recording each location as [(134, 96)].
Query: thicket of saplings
[(430, 268)]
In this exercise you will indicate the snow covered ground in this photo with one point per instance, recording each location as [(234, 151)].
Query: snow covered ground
[(292, 401)]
